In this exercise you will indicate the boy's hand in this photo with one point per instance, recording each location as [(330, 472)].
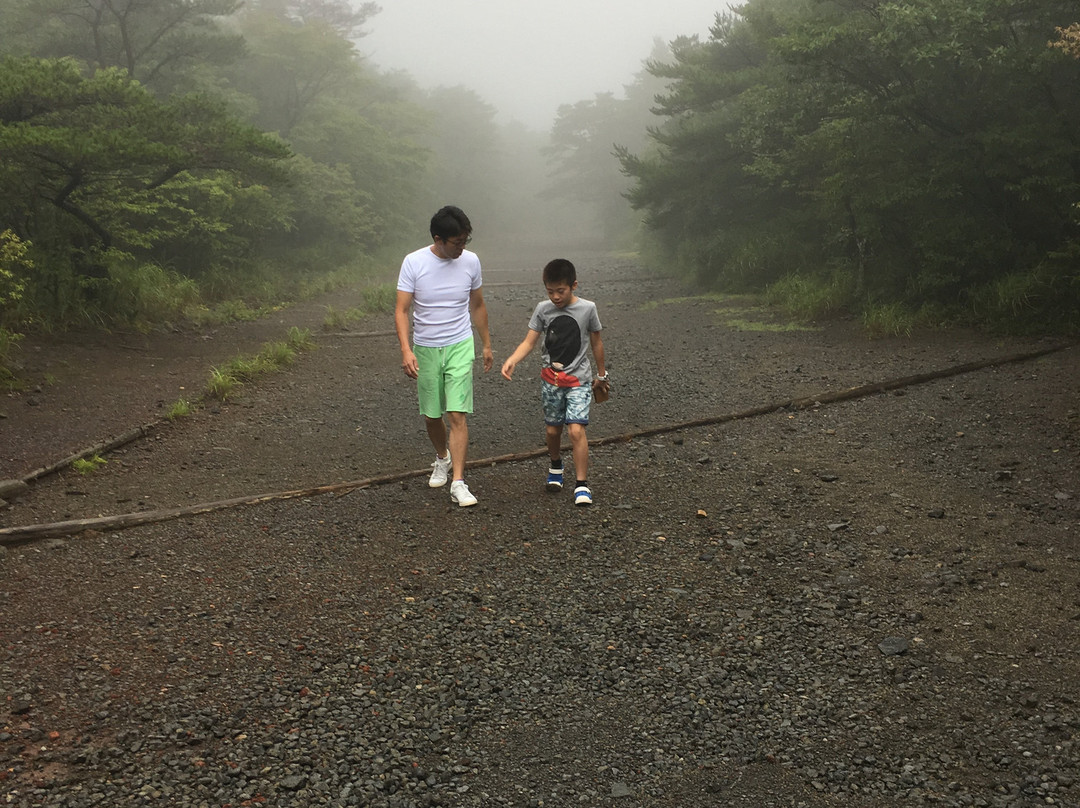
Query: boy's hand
[(601, 390), (508, 368)]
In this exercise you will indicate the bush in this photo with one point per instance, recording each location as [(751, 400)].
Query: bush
[(147, 294), (888, 320), (1046, 300), (809, 297)]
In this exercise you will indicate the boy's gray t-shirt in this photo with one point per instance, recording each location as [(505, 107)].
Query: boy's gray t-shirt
[(565, 349)]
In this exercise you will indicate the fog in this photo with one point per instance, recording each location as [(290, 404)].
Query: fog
[(528, 58)]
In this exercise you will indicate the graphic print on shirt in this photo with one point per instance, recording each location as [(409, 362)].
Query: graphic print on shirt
[(562, 341)]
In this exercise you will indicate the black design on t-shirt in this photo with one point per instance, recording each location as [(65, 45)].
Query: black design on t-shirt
[(562, 341)]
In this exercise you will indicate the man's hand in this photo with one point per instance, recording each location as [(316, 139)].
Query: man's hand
[(489, 359), (409, 364)]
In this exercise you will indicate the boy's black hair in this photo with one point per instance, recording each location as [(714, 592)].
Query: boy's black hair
[(449, 222), (560, 271)]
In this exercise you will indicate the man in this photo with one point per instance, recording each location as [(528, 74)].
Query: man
[(442, 283)]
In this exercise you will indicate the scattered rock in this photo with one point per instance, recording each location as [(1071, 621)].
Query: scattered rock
[(13, 489), (621, 789), (893, 646)]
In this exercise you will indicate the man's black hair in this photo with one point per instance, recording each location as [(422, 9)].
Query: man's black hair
[(559, 271), (449, 222)]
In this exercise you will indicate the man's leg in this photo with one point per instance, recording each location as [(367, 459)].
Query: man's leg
[(436, 430), (458, 442)]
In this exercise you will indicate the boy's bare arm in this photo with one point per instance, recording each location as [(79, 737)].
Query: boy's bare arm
[(520, 352), (597, 345)]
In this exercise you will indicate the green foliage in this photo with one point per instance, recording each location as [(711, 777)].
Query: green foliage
[(811, 297), (379, 298), (1046, 300), (888, 320), (927, 147), (155, 43), (299, 339), (227, 311), (14, 267), (341, 319), (181, 408), (272, 356), (375, 299), (132, 167), (275, 355), (743, 324), (145, 294), (118, 181), (221, 384), (9, 342), (87, 465)]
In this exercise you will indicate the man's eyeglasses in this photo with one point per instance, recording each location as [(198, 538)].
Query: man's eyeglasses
[(458, 242)]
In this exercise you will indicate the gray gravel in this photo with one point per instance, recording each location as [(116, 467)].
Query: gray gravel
[(867, 604)]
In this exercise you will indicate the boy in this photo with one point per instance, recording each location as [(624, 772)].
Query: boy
[(570, 327), (442, 285)]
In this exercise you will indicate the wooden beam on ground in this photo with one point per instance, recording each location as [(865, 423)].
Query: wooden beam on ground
[(12, 535)]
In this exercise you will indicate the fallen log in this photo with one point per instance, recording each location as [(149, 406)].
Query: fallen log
[(12, 535), (106, 445)]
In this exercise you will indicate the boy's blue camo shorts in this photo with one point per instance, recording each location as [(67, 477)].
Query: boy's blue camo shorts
[(565, 405)]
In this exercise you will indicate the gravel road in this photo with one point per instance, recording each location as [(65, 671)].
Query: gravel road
[(867, 603)]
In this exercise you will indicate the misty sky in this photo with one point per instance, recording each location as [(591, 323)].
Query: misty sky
[(526, 58)]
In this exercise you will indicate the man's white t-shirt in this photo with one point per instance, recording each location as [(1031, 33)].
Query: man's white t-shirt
[(440, 288)]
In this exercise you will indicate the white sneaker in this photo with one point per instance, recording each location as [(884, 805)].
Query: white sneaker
[(460, 493), (440, 471)]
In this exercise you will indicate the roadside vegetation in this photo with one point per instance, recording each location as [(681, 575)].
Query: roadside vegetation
[(88, 465), (825, 153), (225, 379)]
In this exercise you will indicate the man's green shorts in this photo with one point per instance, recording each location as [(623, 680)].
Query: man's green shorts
[(445, 383)]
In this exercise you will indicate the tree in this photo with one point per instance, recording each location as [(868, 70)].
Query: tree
[(300, 52), (1069, 40), (585, 140), (925, 149), (88, 165), (154, 42), (465, 154)]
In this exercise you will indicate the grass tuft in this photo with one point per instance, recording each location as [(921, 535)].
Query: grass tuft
[(380, 298), (181, 408), (809, 298), (888, 320), (86, 465), (221, 384), (272, 356)]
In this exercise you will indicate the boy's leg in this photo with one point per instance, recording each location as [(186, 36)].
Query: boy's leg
[(553, 401), (578, 400), (553, 437), (580, 442)]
